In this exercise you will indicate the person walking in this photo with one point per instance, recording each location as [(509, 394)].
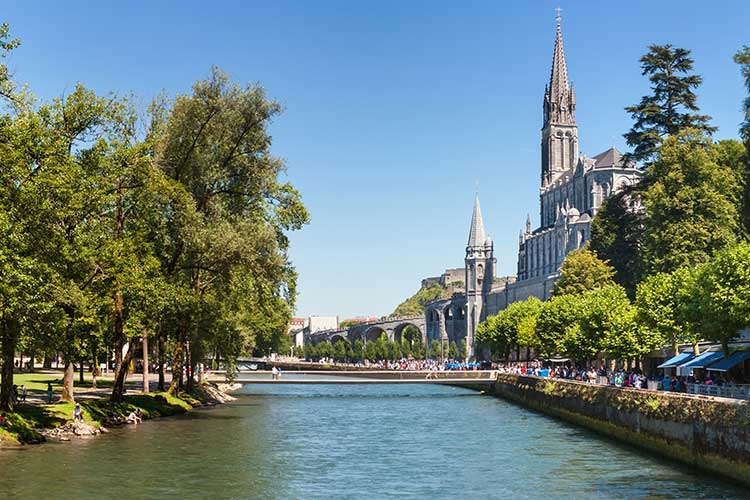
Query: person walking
[(49, 392), (23, 393)]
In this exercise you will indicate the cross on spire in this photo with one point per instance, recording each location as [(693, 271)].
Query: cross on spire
[(558, 16)]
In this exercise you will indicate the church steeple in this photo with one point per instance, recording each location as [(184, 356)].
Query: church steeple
[(476, 233), (559, 98), (559, 132)]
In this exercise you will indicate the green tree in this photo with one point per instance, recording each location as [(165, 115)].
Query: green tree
[(616, 236), (692, 201), (672, 105), (339, 350), (513, 326), (462, 350), (582, 270), (664, 302), (555, 317), (230, 216), (742, 57), (453, 350), (723, 290), (358, 350), (435, 350)]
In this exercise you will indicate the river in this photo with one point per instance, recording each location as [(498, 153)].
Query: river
[(343, 442)]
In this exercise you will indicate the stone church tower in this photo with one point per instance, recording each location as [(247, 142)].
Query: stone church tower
[(559, 132), (480, 274)]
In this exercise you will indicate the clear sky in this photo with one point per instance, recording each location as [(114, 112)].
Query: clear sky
[(394, 110)]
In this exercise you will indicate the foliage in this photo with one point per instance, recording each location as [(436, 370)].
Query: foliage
[(511, 326), (723, 289), (616, 235), (663, 303), (414, 305), (672, 105), (742, 57), (583, 270), (692, 201)]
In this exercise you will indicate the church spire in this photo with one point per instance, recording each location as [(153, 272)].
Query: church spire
[(476, 233), (559, 100)]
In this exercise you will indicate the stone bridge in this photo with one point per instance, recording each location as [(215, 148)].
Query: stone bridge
[(366, 332)]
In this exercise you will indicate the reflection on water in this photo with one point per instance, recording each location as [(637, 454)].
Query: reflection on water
[(342, 442)]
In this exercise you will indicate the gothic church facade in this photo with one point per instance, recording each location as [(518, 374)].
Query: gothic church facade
[(572, 189)]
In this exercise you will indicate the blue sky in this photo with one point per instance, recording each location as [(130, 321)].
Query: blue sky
[(394, 111)]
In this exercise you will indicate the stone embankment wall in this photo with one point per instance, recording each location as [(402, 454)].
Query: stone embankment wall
[(709, 433)]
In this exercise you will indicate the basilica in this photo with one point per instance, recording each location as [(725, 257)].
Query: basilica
[(572, 189)]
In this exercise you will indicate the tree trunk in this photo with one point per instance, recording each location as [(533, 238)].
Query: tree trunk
[(696, 349), (31, 360), (47, 363), (67, 389), (80, 371), (8, 338), (145, 361), (94, 371), (118, 387), (189, 366), (160, 355), (176, 382)]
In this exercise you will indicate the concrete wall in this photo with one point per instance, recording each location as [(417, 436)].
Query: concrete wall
[(712, 434)]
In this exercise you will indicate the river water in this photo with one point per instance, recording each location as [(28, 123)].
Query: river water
[(342, 442)]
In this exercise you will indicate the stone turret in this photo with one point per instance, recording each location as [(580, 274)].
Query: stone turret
[(480, 273)]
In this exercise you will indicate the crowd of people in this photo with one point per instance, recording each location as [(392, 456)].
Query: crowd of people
[(409, 364), (603, 376)]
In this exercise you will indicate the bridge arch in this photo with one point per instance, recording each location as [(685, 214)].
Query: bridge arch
[(398, 331), (338, 337), (373, 333)]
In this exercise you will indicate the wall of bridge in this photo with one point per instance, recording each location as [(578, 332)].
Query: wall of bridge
[(372, 331)]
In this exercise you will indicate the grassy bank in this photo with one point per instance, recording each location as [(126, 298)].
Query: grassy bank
[(28, 420)]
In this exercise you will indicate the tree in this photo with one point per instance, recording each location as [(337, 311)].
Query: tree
[(692, 201), (513, 326), (723, 290), (339, 350), (671, 107), (462, 349), (555, 317), (616, 236), (742, 57), (662, 301), (582, 270), (435, 349), (452, 350), (229, 216), (358, 350)]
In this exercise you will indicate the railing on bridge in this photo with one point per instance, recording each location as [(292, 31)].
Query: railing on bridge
[(484, 377), (724, 391)]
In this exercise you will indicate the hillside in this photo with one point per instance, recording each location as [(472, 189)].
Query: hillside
[(414, 305)]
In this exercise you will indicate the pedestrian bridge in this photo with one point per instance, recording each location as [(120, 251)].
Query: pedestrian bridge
[(480, 378)]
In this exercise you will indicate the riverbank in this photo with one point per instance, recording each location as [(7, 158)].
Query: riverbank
[(35, 423), (712, 434)]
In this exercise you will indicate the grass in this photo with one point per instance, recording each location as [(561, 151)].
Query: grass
[(28, 419), (37, 381)]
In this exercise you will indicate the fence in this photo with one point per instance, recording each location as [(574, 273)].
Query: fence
[(724, 391)]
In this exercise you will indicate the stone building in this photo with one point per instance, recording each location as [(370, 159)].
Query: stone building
[(572, 189)]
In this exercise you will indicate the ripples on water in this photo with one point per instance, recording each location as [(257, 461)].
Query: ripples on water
[(343, 442)]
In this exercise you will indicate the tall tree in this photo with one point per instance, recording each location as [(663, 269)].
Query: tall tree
[(616, 236), (692, 201), (742, 57), (723, 292), (583, 270), (671, 107), (214, 143)]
